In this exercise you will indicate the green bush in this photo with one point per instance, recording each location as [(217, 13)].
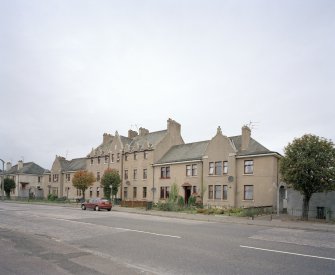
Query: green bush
[(52, 197), (191, 201), (181, 201)]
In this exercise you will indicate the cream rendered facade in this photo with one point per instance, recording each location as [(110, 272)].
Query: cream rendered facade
[(58, 181), (28, 179), (230, 172)]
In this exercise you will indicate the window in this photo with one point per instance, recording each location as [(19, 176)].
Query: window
[(135, 174), (125, 192), (39, 179), (98, 192), (211, 168), (79, 193), (248, 192), (210, 192), (194, 189), (165, 191), (217, 194), (144, 192), (248, 167), (145, 174), (135, 156), (134, 192), (188, 170), (118, 157), (218, 168), (68, 177), (165, 172), (98, 160), (225, 167), (145, 155), (225, 192), (125, 174), (112, 158), (98, 176), (49, 178), (194, 170), (191, 170), (92, 161), (55, 178), (91, 192), (126, 157), (106, 159)]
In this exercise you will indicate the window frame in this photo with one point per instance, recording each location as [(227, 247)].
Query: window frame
[(217, 192), (249, 165), (211, 168), (210, 192), (224, 192), (145, 173), (225, 167), (165, 172), (246, 193)]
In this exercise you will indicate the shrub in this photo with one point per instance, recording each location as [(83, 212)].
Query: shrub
[(191, 201), (52, 197), (181, 201)]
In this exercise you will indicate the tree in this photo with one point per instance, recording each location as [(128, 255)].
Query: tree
[(9, 184), (308, 166), (110, 182), (82, 180)]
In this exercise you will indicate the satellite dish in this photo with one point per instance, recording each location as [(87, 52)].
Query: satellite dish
[(230, 179)]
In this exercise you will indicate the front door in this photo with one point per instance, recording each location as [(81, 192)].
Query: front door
[(187, 193)]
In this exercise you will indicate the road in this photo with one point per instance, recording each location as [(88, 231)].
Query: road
[(43, 239)]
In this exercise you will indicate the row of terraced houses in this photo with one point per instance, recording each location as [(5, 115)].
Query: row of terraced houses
[(225, 171)]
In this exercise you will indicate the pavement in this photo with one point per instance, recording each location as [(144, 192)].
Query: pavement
[(282, 221)]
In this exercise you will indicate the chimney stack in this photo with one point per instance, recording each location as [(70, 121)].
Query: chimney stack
[(246, 134), (107, 138), (8, 166), (143, 131), (173, 126), (19, 165), (132, 134)]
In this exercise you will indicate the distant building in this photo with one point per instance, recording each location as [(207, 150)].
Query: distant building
[(58, 181), (28, 179)]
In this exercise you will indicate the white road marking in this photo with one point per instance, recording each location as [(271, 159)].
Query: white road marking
[(285, 252), (121, 228)]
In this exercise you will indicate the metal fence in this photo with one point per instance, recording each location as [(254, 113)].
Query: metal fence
[(320, 213)]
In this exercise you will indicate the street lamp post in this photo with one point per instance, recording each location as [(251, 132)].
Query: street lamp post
[(3, 180)]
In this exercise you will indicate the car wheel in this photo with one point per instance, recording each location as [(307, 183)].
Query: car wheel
[(83, 207), (96, 208), (109, 209)]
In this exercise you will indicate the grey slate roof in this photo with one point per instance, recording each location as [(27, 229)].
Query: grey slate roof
[(185, 152), (28, 168), (254, 147), (73, 165), (195, 151), (150, 139)]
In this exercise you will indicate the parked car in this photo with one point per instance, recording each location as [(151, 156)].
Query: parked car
[(97, 204)]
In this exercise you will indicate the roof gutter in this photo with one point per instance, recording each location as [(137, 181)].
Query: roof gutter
[(275, 154), (177, 162)]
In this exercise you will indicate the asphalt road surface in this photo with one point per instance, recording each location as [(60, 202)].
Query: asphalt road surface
[(43, 239)]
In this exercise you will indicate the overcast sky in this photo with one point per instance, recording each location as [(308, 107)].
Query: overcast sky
[(72, 70)]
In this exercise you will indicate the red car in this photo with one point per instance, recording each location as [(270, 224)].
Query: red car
[(97, 204)]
